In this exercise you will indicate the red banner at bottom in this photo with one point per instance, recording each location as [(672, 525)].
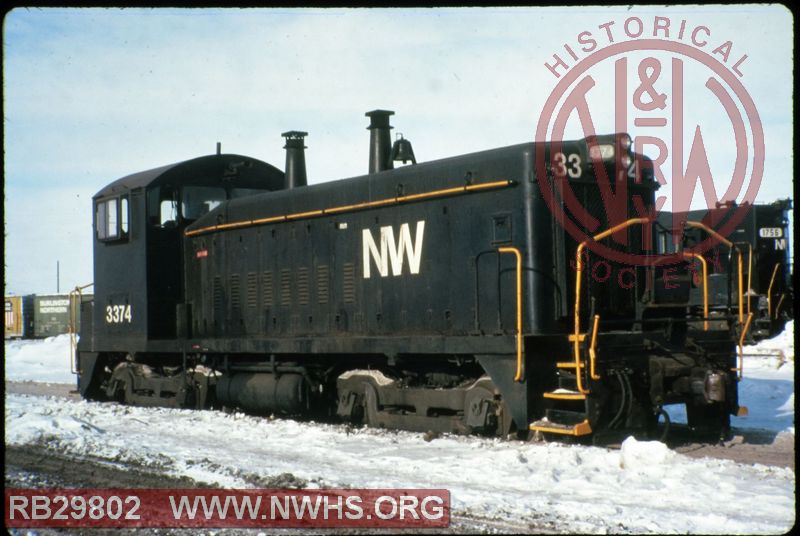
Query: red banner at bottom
[(224, 508)]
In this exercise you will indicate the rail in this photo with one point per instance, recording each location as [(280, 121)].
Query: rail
[(516, 252), (74, 311), (593, 349), (577, 337), (780, 302), (704, 264), (769, 290), (780, 354), (400, 199), (749, 271), (740, 370)]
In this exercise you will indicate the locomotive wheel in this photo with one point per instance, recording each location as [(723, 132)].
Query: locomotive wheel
[(371, 407), (381, 403), (480, 410), (120, 386), (712, 420), (484, 412)]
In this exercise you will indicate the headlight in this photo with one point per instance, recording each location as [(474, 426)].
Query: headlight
[(601, 152), (625, 142), (625, 160)]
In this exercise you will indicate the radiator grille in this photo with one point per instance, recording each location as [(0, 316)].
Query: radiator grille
[(217, 296), (349, 283), (268, 294), (323, 292), (286, 287), (236, 294), (252, 289), (303, 291)]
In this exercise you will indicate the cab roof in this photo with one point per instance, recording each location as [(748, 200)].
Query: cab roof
[(242, 171)]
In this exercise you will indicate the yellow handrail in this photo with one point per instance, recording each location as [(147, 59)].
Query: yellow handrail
[(357, 206), (518, 376), (740, 370), (749, 273), (769, 290), (576, 338), (703, 262), (593, 349), (778, 307), (749, 270), (731, 245), (73, 321)]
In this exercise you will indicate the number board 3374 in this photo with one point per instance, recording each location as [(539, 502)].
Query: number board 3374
[(118, 314)]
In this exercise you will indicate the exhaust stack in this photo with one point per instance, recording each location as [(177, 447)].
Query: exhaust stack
[(380, 143), (295, 159)]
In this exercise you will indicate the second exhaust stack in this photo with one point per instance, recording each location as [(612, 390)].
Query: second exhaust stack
[(295, 159)]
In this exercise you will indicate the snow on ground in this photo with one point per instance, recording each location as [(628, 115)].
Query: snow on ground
[(45, 360), (782, 343), (643, 487), (768, 387)]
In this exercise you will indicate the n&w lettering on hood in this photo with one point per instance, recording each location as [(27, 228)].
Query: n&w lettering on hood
[(392, 251)]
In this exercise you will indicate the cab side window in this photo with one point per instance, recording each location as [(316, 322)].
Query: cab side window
[(112, 218), (168, 213), (162, 208), (123, 215), (197, 201)]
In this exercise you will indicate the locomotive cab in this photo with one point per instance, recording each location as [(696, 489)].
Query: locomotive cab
[(138, 250)]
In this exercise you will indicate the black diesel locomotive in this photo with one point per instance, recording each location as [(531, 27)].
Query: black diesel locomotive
[(763, 238), (435, 296)]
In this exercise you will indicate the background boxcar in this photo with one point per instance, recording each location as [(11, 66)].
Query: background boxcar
[(18, 316), (51, 314)]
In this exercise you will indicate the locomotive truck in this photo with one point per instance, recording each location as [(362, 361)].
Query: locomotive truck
[(440, 295)]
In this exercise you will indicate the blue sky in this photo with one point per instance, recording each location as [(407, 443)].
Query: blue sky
[(95, 94)]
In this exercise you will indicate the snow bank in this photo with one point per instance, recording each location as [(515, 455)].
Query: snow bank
[(772, 358), (45, 360), (782, 341), (768, 385), (640, 455), (642, 488)]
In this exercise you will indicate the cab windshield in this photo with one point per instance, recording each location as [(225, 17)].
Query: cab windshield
[(199, 200)]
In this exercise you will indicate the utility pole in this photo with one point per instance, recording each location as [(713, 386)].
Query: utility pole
[(58, 277)]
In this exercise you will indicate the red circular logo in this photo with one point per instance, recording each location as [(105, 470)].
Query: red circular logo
[(658, 113)]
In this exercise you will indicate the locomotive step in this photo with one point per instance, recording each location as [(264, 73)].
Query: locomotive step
[(568, 364), (564, 394), (567, 382), (565, 417), (546, 426)]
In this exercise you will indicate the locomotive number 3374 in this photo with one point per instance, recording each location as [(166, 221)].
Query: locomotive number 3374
[(118, 314)]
